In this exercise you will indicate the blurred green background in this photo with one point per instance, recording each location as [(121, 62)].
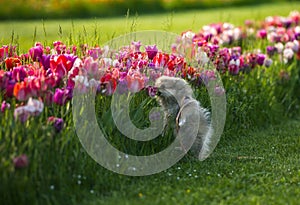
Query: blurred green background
[(53, 9)]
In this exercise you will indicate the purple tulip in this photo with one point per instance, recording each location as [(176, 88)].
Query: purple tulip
[(45, 60), (58, 123), (58, 96), (19, 73), (151, 51), (71, 58), (10, 88), (260, 58), (271, 50), (61, 96), (36, 52)]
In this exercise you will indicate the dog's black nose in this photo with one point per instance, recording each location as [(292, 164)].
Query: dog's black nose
[(158, 93)]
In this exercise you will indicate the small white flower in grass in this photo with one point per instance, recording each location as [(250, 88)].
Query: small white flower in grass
[(178, 178), (132, 168), (92, 191), (117, 165), (78, 182), (52, 187)]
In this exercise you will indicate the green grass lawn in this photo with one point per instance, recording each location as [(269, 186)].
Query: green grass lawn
[(261, 167), (254, 166), (98, 31)]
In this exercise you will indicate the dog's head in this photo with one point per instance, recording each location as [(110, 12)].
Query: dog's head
[(172, 87)]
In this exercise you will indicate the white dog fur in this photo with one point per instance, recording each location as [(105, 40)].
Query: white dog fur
[(180, 108)]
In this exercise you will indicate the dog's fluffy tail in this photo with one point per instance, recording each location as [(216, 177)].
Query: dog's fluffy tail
[(206, 141)]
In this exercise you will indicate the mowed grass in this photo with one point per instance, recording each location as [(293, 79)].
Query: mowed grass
[(98, 31), (261, 167), (249, 167)]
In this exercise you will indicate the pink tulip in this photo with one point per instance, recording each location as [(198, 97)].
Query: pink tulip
[(219, 91), (262, 33), (4, 106), (135, 82)]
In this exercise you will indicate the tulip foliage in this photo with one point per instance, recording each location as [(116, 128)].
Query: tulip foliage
[(260, 80)]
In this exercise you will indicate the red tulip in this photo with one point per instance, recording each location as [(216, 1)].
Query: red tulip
[(11, 62), (108, 84)]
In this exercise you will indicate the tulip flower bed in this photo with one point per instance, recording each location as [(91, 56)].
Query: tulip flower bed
[(258, 64)]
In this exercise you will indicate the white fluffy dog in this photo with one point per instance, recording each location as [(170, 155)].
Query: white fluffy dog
[(182, 111)]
